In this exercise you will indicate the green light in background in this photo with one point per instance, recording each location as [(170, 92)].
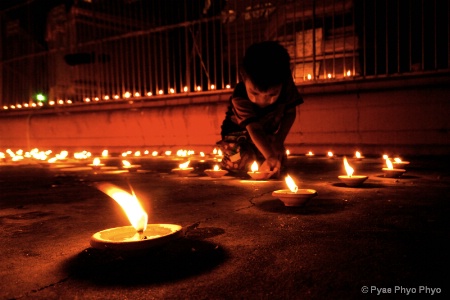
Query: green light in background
[(40, 97)]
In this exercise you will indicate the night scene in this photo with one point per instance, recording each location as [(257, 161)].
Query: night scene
[(224, 149)]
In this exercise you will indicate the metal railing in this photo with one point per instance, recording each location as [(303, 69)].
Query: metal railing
[(97, 50)]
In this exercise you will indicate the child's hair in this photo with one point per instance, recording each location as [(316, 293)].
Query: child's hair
[(266, 64)]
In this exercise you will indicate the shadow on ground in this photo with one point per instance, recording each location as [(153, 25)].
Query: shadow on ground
[(185, 257)]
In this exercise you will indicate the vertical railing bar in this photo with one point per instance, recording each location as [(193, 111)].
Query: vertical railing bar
[(387, 37), (314, 39), (410, 36), (236, 42), (423, 36), (375, 39), (221, 55), (435, 36), (364, 40), (324, 62), (186, 51), (333, 29), (303, 40), (398, 37), (169, 82), (344, 62), (354, 37)]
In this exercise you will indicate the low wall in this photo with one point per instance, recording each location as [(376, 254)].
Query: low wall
[(406, 116)]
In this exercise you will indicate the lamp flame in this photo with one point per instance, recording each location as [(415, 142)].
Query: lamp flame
[(398, 160), (254, 167), (389, 164), (96, 161), (358, 154), (348, 168), (184, 165), (129, 203), (216, 168), (126, 163), (291, 184)]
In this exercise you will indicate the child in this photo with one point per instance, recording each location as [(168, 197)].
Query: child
[(261, 112)]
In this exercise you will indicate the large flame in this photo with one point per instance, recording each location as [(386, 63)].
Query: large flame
[(129, 203), (348, 168), (291, 184), (389, 164), (254, 167), (184, 165)]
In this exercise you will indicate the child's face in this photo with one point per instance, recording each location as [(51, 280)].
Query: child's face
[(262, 99)]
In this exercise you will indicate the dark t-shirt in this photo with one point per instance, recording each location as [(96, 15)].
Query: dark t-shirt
[(242, 111)]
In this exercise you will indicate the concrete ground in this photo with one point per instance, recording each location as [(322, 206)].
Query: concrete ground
[(388, 237)]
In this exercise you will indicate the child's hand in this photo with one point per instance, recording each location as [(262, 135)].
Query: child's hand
[(271, 164)]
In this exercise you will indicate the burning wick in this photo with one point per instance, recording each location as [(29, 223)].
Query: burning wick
[(350, 179), (294, 196), (390, 171), (131, 206)]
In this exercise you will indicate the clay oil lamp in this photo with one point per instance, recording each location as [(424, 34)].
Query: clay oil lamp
[(216, 172), (96, 164), (358, 155), (399, 163), (183, 170), (138, 236), (258, 175), (309, 154), (126, 165), (294, 196), (390, 172), (330, 155), (350, 179)]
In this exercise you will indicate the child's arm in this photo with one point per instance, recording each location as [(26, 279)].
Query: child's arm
[(264, 145), (285, 127)]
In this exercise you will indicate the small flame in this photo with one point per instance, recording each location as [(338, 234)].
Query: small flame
[(398, 160), (126, 163), (291, 184), (105, 153), (216, 168), (96, 161), (385, 156), (288, 152), (129, 203), (254, 167), (330, 154), (310, 153), (389, 164), (184, 165), (358, 154), (348, 168)]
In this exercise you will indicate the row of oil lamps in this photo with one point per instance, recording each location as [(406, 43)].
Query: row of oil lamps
[(142, 236)]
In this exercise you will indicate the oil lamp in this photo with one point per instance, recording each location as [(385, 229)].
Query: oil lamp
[(294, 196), (138, 236), (258, 175), (399, 163), (310, 154), (216, 172), (358, 155), (350, 179), (390, 172), (126, 165), (96, 165), (183, 169)]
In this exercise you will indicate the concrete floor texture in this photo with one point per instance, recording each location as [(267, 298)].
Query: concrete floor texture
[(386, 238)]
